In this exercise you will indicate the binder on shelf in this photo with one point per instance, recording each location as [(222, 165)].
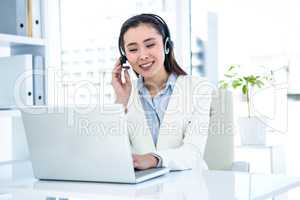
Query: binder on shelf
[(36, 27), (16, 81), (38, 81), (13, 17), (29, 18)]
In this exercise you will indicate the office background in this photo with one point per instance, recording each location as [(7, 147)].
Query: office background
[(79, 42)]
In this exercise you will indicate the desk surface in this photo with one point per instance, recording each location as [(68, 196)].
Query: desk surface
[(183, 185)]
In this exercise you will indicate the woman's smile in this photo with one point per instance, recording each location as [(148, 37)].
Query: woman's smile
[(146, 66)]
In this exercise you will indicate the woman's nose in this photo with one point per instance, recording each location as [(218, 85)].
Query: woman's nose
[(144, 54)]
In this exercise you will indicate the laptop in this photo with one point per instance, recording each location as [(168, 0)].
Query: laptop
[(82, 144)]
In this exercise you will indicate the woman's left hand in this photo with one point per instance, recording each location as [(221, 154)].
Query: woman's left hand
[(145, 161)]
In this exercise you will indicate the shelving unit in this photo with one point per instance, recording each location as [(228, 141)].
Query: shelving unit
[(13, 44), (10, 113), (13, 144), (7, 40)]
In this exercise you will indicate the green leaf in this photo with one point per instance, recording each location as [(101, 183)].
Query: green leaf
[(224, 86), (251, 79), (231, 68), (228, 75), (245, 89), (236, 83), (246, 78), (259, 83)]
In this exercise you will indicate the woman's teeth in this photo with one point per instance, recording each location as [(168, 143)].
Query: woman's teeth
[(146, 65)]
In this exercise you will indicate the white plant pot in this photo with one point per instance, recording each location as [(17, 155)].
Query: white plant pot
[(252, 131)]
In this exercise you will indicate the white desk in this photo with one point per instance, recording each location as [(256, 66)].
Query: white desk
[(184, 185)]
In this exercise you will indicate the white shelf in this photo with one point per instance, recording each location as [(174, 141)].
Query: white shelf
[(7, 40), (11, 162), (10, 113)]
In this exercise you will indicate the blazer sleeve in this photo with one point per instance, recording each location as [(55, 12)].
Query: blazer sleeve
[(190, 154)]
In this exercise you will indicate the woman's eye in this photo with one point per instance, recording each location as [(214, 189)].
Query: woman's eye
[(150, 45), (132, 50)]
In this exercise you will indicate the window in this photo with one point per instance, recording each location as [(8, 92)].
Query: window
[(89, 36)]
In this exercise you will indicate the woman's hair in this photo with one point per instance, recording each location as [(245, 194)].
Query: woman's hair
[(161, 27)]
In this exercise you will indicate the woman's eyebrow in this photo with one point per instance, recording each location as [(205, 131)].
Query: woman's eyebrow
[(135, 43), (149, 39), (131, 44)]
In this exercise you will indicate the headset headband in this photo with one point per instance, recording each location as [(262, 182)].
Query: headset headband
[(160, 21), (165, 30)]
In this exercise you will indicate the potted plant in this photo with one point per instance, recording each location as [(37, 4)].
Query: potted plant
[(252, 128)]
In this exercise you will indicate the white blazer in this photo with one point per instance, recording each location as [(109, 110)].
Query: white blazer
[(183, 132)]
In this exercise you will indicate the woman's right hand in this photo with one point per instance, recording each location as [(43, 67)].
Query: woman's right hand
[(122, 89)]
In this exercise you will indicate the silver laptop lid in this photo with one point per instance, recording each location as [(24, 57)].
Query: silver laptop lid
[(77, 143)]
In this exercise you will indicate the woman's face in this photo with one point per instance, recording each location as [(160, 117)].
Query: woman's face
[(144, 50)]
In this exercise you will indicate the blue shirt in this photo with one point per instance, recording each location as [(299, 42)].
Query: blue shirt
[(156, 106)]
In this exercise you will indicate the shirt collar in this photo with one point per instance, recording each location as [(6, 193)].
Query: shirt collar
[(170, 84)]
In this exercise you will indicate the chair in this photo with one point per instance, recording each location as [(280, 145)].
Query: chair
[(219, 151)]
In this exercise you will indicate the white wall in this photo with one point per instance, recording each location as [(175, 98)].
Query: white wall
[(212, 58), (182, 40), (250, 30)]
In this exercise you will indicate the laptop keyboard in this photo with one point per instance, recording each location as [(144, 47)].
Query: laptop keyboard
[(141, 173)]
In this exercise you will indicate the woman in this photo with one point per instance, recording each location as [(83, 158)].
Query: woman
[(167, 110)]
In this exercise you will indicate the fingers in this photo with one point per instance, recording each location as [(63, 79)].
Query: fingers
[(127, 77), (135, 161), (136, 157), (141, 161), (117, 71), (117, 75), (136, 165), (118, 62)]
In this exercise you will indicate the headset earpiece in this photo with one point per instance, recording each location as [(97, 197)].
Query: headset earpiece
[(167, 46), (123, 59)]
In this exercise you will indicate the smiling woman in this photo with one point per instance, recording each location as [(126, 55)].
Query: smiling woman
[(163, 104), (145, 51)]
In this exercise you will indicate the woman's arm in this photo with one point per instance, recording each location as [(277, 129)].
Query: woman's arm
[(190, 153)]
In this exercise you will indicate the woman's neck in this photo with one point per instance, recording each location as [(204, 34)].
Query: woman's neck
[(156, 83)]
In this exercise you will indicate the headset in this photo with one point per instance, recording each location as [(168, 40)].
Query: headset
[(168, 44)]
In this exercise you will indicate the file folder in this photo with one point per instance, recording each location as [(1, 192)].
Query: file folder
[(13, 17), (38, 81), (16, 81), (36, 18), (29, 18)]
